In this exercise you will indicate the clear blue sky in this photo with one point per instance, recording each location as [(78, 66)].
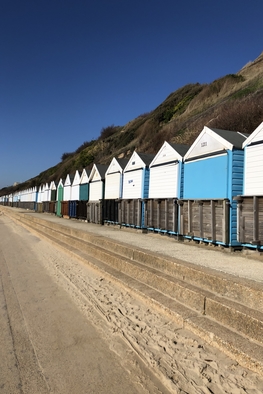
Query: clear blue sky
[(68, 68)]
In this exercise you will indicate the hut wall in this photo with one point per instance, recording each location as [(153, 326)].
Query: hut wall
[(67, 193), (164, 181), (95, 212), (53, 195), (253, 174), (39, 207), (161, 215), (250, 221), (59, 200), (206, 177), (82, 210), (132, 184), (84, 192), (111, 211), (130, 212), (96, 190), (74, 193), (65, 208), (73, 209), (205, 220), (113, 186)]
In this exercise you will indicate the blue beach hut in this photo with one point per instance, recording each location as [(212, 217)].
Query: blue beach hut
[(213, 176)]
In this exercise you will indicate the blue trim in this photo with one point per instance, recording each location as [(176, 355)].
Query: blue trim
[(252, 246), (181, 180), (235, 184), (145, 182)]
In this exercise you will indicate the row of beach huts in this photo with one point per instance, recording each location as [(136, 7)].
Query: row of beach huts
[(211, 191)]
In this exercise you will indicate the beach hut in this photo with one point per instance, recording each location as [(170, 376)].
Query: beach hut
[(75, 187), (40, 195), (250, 204), (46, 192), (213, 176), (135, 188), (113, 189), (136, 176), (166, 185), (83, 194), (74, 198), (166, 171), (67, 191), (52, 197), (114, 178), (53, 191), (84, 185), (46, 197), (96, 193), (68, 187), (59, 197)]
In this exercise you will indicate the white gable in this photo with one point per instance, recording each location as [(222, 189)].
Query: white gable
[(94, 175), (165, 155), (60, 182), (256, 136), (134, 163), (207, 142), (52, 186), (113, 167), (76, 179), (84, 177), (67, 181)]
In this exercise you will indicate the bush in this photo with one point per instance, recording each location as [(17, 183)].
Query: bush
[(66, 156), (108, 131)]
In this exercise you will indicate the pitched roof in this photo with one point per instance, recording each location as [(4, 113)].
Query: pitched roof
[(234, 137), (146, 158), (122, 162), (102, 168), (180, 148)]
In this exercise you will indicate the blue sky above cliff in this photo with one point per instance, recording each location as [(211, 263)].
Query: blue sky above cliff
[(68, 68)]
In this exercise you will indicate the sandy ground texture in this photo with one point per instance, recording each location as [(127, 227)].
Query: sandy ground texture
[(69, 329)]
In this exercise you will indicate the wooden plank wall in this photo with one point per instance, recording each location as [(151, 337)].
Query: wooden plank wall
[(94, 212), (110, 211), (205, 219), (82, 209), (65, 208), (130, 212), (161, 215), (250, 220)]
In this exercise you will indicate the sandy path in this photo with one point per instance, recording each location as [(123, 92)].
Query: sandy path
[(185, 363), (47, 344)]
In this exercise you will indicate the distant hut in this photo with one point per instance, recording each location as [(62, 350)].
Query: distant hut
[(113, 189)]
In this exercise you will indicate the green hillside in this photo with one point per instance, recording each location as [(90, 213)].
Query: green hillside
[(233, 102)]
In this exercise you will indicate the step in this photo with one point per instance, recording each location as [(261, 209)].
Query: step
[(241, 290), (230, 313), (234, 328)]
